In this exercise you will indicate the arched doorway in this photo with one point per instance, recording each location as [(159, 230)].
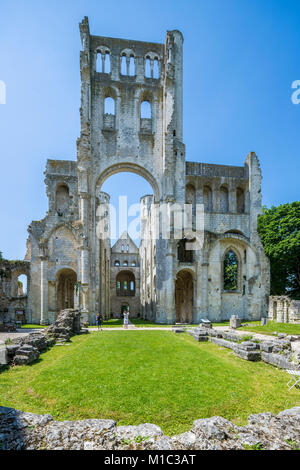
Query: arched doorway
[(66, 280), (184, 297)]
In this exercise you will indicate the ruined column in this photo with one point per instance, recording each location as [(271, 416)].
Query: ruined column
[(197, 300), (44, 290), (204, 290)]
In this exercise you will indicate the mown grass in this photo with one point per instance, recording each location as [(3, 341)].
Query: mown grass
[(32, 326), (272, 327), (138, 322), (136, 377)]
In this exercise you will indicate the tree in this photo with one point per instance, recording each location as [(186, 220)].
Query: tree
[(230, 272), (279, 229)]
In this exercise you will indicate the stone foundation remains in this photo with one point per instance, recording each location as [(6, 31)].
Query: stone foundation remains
[(282, 352), (23, 351), (265, 431)]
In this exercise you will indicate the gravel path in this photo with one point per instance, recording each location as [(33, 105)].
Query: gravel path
[(22, 333), (17, 334)]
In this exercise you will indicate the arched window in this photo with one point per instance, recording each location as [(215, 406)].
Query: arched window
[(224, 199), (123, 65), (99, 63), (117, 263), (133, 264), (22, 285), (128, 63), (103, 64), (109, 105), (107, 65), (132, 67), (146, 110), (125, 284), (156, 69), (240, 201), (148, 68), (125, 263), (231, 271), (207, 199)]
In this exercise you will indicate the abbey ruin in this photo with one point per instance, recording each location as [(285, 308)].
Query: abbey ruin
[(132, 121)]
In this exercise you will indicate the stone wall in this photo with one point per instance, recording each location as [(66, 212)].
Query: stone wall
[(27, 349), (12, 299), (283, 351), (265, 431), (284, 310)]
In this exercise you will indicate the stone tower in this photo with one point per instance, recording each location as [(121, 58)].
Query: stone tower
[(129, 76)]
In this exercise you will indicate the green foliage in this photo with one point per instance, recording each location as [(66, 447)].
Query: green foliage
[(126, 442), (257, 446), (244, 338), (230, 272), (293, 444), (279, 229), (2, 271), (140, 439)]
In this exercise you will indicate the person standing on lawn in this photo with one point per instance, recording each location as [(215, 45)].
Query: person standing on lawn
[(126, 321), (99, 321)]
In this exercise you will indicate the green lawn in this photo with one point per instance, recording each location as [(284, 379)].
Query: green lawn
[(138, 322), (145, 376), (29, 327), (272, 327)]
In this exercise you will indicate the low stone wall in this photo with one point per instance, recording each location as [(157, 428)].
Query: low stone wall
[(282, 352), (23, 351), (27, 431), (246, 350)]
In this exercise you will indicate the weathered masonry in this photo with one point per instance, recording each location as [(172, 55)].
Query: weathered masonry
[(131, 120), (284, 310)]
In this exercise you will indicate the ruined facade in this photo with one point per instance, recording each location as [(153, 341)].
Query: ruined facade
[(131, 120), (13, 295), (125, 278), (284, 310)]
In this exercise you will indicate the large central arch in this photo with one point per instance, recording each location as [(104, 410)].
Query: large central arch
[(132, 168)]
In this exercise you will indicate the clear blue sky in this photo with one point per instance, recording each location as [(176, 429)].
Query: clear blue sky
[(240, 59)]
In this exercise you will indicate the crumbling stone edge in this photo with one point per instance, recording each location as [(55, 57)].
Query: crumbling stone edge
[(282, 352), (24, 351), (265, 431)]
